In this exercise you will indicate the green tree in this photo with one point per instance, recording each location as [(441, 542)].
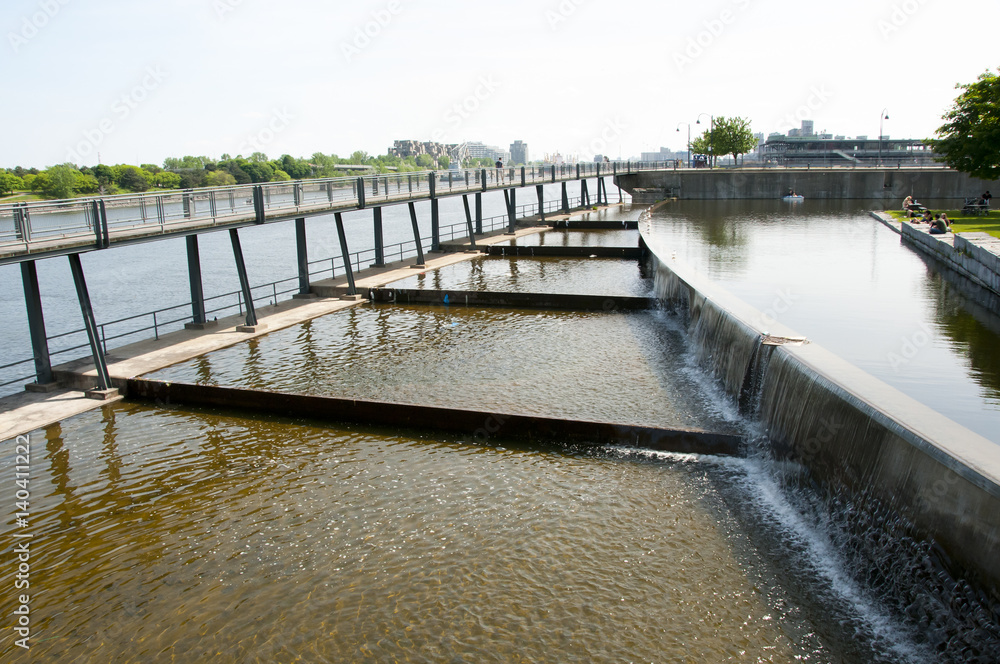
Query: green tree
[(10, 183), (280, 176), (425, 161), (258, 171), (219, 179), (133, 178), (970, 138), (167, 180), (56, 182), (444, 160), (732, 136), (86, 184)]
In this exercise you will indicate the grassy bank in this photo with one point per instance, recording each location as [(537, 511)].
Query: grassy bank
[(963, 223)]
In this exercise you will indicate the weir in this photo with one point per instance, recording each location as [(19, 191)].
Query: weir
[(863, 444)]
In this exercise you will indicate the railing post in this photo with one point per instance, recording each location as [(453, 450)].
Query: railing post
[(553, 173), (361, 193), (482, 177), (36, 324), (578, 171), (522, 176), (188, 204), (541, 201), (258, 204), (565, 198), (104, 379), (509, 197)]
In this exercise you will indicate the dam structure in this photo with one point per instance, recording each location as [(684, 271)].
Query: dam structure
[(546, 435)]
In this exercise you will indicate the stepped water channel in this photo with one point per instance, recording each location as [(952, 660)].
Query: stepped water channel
[(177, 533)]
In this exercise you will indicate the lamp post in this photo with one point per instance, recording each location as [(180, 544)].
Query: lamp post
[(881, 116), (711, 120), (689, 139)]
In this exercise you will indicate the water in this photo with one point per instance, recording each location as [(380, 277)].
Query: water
[(834, 274), (574, 238), (536, 275), (190, 535), (131, 280), (592, 366)]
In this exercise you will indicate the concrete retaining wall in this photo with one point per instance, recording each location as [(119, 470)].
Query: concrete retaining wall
[(852, 434), (974, 255), (888, 184)]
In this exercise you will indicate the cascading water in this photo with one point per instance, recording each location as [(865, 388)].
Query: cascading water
[(901, 591)]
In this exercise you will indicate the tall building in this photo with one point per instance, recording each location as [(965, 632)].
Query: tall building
[(518, 152)]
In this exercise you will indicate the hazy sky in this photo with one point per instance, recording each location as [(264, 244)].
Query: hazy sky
[(141, 81)]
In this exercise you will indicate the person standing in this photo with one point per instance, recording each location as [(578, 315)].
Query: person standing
[(986, 198), (500, 170)]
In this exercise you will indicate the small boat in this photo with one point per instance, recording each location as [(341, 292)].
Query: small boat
[(793, 198)]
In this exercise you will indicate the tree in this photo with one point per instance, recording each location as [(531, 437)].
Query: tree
[(424, 161), (970, 138), (732, 136), (133, 178), (443, 161), (56, 182), (167, 180), (10, 183), (219, 179), (86, 184), (280, 176)]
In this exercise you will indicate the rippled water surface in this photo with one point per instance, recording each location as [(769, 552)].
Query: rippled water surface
[(577, 238), (594, 366), (185, 535), (605, 276)]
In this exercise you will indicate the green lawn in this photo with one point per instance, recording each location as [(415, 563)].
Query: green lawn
[(961, 223), (19, 196)]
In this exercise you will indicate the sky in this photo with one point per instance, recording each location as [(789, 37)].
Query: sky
[(136, 82)]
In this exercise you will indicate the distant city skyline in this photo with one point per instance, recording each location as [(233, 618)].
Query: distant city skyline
[(140, 82)]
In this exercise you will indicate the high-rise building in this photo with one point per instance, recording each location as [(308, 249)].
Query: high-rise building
[(518, 152)]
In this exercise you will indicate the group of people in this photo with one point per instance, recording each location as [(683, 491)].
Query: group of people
[(939, 223)]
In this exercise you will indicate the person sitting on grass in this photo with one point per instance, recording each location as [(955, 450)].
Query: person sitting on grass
[(926, 218), (940, 225)]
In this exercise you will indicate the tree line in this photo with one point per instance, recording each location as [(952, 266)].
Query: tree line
[(190, 172)]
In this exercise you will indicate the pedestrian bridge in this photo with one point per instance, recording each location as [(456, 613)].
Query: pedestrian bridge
[(34, 230)]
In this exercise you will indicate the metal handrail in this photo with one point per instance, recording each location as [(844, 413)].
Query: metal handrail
[(358, 260)]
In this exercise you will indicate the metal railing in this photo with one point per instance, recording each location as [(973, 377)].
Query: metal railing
[(168, 319), (29, 226)]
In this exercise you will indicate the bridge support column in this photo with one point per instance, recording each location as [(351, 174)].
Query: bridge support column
[(510, 197), (416, 235), (346, 253), (565, 199), (540, 189), (302, 259), (199, 319), (241, 271), (96, 348), (379, 241), (468, 220), (36, 327), (435, 214), (479, 214)]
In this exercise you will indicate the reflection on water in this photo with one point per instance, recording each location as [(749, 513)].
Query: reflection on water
[(176, 535), (574, 238), (834, 274), (576, 276), (592, 366)]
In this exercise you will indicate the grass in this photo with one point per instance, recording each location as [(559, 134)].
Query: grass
[(19, 196), (963, 223)]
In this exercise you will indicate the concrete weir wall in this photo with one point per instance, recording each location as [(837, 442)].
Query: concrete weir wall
[(890, 184), (852, 434)]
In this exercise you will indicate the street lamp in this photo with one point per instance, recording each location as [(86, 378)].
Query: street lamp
[(689, 139), (881, 116), (711, 120)]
